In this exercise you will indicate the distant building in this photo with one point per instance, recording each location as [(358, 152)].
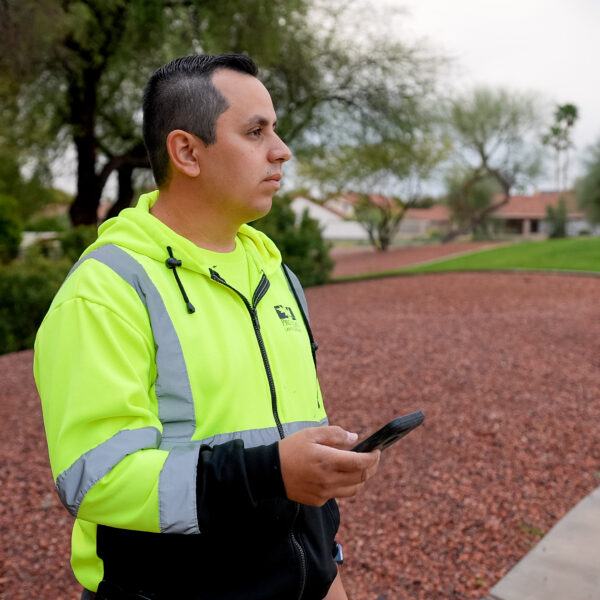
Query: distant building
[(421, 222), (524, 216), (334, 226), (527, 215)]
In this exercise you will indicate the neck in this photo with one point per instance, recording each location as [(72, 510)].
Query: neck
[(198, 221)]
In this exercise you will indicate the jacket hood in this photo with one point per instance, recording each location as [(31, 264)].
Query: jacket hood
[(137, 230)]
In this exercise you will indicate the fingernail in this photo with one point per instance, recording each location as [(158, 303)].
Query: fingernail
[(352, 437)]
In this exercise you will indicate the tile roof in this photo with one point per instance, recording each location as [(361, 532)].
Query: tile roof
[(518, 207), (534, 207), (437, 212)]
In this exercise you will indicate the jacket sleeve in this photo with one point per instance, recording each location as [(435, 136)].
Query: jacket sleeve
[(95, 372)]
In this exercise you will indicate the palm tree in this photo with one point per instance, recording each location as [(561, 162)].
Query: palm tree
[(565, 116), (559, 137)]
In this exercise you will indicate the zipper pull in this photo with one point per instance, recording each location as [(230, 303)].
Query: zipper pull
[(254, 316)]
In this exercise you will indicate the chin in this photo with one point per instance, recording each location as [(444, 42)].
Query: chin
[(260, 210)]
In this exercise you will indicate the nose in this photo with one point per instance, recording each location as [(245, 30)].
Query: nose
[(279, 152)]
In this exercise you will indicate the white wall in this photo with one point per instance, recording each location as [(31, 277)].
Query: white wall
[(333, 227)]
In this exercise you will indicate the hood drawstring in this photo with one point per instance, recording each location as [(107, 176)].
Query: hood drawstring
[(173, 263)]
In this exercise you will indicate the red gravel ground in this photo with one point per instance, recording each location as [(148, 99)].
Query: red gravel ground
[(357, 260), (506, 369)]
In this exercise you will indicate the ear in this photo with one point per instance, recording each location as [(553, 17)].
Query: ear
[(183, 150)]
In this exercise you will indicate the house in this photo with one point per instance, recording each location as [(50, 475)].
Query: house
[(422, 222), (417, 222), (335, 227), (527, 216), (523, 216)]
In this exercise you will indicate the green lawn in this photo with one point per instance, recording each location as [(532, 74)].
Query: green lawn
[(575, 254)]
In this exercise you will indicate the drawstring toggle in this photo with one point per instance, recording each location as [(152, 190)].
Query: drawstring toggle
[(173, 263)]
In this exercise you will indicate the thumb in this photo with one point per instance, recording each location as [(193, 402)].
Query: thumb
[(336, 437)]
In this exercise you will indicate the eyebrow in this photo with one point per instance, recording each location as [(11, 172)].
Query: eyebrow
[(259, 120)]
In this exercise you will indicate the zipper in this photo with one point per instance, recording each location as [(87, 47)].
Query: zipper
[(258, 294), (260, 291), (298, 547)]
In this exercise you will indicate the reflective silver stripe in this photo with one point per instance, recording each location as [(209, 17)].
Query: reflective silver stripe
[(299, 291), (177, 479), (73, 484), (178, 512), (177, 483), (257, 437), (173, 390)]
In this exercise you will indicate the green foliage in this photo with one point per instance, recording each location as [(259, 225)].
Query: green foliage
[(496, 136), (380, 216), (80, 67), (300, 243), (588, 187), (559, 138), (44, 223), (76, 239), (557, 217), (379, 136), (31, 194), (27, 288), (10, 229), (469, 201), (497, 126)]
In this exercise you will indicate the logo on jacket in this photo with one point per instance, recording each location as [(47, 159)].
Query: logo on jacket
[(288, 318)]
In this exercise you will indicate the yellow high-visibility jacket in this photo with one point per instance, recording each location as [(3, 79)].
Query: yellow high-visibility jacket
[(164, 398)]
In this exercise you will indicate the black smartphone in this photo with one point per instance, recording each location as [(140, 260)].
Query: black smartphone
[(390, 433)]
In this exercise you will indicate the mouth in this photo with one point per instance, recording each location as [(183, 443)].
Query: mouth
[(273, 180), (275, 177)]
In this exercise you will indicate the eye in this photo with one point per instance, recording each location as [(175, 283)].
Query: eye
[(255, 132)]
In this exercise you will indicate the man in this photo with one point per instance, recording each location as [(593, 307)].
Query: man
[(185, 423)]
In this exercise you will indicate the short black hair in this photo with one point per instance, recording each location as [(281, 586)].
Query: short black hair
[(181, 95)]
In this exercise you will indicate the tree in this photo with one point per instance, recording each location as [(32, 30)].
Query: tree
[(10, 229), (557, 217), (469, 204), (30, 194), (559, 137), (85, 86), (378, 138), (495, 136), (80, 67), (386, 167), (588, 187), (380, 216)]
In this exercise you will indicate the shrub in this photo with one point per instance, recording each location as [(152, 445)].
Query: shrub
[(557, 218), (11, 229), (43, 223), (75, 240), (27, 288), (300, 242)]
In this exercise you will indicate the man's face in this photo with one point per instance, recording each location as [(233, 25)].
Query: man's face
[(240, 172)]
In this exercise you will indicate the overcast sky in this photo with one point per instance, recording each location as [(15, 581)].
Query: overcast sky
[(547, 46)]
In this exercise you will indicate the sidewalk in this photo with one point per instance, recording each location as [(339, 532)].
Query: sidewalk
[(564, 565)]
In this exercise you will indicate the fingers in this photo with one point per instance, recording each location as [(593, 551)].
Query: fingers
[(358, 469), (316, 465), (335, 437), (373, 468), (356, 461)]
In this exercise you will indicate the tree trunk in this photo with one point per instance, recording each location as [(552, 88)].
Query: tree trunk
[(125, 195), (82, 109), (84, 209)]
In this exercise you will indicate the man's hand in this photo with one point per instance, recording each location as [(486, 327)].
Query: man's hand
[(316, 465)]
